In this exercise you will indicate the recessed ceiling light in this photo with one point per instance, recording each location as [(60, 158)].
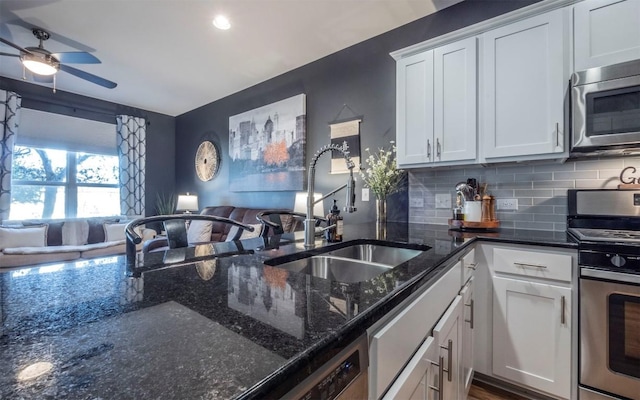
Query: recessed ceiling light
[(221, 22)]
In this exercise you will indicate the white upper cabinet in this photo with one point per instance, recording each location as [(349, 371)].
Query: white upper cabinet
[(455, 101), (414, 98), (606, 32), (436, 105), (525, 78)]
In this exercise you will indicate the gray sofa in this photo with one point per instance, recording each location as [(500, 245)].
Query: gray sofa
[(33, 242)]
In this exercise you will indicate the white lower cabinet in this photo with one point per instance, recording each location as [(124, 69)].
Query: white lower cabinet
[(532, 334), (525, 333), (394, 340), (419, 378), (467, 340), (448, 334)]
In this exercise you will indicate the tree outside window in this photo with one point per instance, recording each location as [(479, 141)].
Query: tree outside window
[(48, 183)]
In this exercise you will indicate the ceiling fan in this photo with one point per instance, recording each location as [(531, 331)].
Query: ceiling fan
[(44, 65)]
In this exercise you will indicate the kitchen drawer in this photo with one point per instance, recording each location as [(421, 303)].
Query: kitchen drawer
[(393, 345), (469, 264), (534, 264)]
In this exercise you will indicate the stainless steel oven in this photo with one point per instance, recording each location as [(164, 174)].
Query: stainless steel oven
[(606, 225), (605, 109), (609, 334)]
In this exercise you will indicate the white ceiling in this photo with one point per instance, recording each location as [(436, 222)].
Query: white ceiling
[(167, 57)]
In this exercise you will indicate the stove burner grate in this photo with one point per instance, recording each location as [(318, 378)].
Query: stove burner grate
[(606, 235)]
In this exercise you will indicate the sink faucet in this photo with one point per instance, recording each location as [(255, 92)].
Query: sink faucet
[(310, 221)]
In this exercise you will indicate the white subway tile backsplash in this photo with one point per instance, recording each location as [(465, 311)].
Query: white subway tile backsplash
[(540, 188), (534, 193), (553, 184), (560, 176)]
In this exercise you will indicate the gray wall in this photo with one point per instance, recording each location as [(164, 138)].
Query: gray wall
[(160, 129), (541, 189), (362, 77)]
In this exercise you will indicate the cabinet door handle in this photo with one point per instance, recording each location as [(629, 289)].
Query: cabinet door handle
[(428, 149), (519, 264), (438, 153), (562, 307), (470, 320), (440, 387), (449, 349), (557, 134), (472, 266)]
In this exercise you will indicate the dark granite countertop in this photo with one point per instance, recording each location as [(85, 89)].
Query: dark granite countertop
[(206, 322)]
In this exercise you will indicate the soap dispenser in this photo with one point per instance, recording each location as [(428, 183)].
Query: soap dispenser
[(334, 234)]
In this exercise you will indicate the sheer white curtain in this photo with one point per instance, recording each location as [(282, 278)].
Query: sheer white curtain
[(10, 105), (132, 153)]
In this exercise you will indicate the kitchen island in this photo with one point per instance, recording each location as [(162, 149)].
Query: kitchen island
[(206, 322)]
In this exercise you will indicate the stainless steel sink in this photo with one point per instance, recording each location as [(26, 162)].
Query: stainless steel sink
[(336, 268), (376, 253), (350, 264)]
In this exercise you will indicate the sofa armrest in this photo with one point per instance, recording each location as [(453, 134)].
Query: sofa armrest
[(155, 243)]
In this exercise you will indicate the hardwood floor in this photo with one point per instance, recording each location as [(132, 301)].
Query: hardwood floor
[(481, 391)]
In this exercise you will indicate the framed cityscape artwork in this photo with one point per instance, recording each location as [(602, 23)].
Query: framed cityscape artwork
[(266, 147)]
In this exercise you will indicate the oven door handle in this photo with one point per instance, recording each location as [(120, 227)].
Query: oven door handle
[(611, 275)]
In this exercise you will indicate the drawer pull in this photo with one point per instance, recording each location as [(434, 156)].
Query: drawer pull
[(470, 320), (519, 264), (440, 387), (472, 266), (449, 349)]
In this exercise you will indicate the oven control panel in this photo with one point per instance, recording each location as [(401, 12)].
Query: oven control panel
[(609, 260)]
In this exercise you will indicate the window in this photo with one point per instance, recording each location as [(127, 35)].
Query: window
[(50, 183)]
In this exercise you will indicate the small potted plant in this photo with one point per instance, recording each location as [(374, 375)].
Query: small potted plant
[(383, 177), (165, 205)]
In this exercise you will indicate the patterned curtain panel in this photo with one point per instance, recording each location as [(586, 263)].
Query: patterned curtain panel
[(10, 105), (131, 151)]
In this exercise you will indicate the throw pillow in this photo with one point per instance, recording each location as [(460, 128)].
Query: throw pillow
[(114, 231), (54, 230), (235, 233), (199, 231), (32, 236), (75, 233), (96, 229)]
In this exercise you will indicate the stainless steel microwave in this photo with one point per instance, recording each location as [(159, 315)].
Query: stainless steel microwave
[(605, 110)]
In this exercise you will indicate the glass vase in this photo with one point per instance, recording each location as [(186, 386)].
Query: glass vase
[(381, 218), (381, 210)]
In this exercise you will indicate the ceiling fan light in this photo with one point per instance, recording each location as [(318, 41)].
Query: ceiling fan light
[(40, 66), (221, 22)]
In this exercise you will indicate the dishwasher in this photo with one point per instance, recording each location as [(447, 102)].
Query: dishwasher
[(342, 377)]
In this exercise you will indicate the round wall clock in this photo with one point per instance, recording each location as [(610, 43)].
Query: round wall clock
[(207, 161)]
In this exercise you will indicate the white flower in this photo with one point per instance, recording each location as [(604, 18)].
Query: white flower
[(382, 175)]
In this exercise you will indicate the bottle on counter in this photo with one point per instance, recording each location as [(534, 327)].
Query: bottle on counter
[(334, 234), (458, 211)]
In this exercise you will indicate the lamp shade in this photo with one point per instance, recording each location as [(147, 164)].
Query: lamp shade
[(187, 202), (301, 204)]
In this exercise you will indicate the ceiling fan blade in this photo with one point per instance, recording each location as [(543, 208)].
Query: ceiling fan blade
[(15, 46), (9, 54), (88, 77), (76, 57), (31, 23)]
